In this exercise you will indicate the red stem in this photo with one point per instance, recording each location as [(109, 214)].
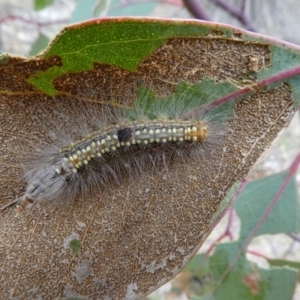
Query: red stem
[(292, 171), (247, 90), (261, 84), (258, 254)]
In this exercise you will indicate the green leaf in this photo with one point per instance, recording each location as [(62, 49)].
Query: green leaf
[(201, 298), (39, 45), (75, 246), (191, 96), (200, 280), (285, 263), (283, 60), (197, 264), (41, 4), (254, 200), (125, 43), (247, 281), (205, 91), (129, 43)]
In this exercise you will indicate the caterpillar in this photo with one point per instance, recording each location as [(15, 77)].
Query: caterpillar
[(151, 135)]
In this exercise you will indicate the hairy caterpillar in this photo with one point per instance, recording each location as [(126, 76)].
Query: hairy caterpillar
[(149, 136)]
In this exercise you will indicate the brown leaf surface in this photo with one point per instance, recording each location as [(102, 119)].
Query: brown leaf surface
[(134, 237)]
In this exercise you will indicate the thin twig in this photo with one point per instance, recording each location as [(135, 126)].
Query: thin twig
[(227, 233), (243, 7), (237, 13), (295, 237), (195, 8)]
